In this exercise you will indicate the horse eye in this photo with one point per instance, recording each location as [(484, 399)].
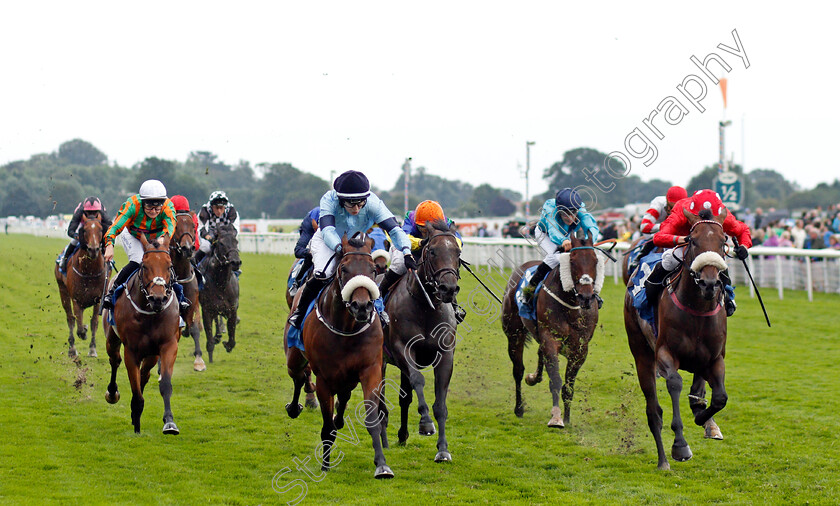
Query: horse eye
[(431, 251)]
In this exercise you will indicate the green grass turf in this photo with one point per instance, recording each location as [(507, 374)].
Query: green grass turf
[(62, 443)]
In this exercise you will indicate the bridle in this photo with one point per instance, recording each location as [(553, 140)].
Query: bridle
[(181, 249), (157, 280), (695, 276), (347, 303), (338, 270), (433, 279)]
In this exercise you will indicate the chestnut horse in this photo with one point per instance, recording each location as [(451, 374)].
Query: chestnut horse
[(146, 324), (220, 295), (420, 335), (82, 286), (343, 342), (691, 326), (181, 248), (567, 314)]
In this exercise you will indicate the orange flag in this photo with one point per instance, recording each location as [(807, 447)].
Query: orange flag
[(723, 90)]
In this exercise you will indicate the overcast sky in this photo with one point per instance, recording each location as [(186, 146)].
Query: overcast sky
[(458, 86)]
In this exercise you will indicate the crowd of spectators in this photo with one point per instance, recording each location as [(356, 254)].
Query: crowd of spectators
[(813, 229)]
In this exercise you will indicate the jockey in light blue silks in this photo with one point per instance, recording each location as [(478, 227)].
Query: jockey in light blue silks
[(559, 219), (347, 209)]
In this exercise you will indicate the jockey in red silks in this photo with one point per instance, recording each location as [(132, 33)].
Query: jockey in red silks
[(659, 210), (182, 206), (674, 231)]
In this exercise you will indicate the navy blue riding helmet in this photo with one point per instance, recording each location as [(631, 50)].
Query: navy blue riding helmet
[(352, 185), (568, 199)]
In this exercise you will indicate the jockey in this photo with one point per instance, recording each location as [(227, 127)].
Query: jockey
[(381, 244), (92, 209), (559, 219), (307, 229), (348, 209), (148, 212), (674, 230), (660, 209), (217, 211), (415, 227), (182, 206)]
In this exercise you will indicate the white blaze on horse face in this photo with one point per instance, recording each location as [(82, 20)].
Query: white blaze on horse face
[(359, 281), (159, 281), (586, 279), (708, 258)]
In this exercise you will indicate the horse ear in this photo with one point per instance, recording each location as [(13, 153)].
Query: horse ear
[(369, 242), (722, 216), (164, 241), (692, 218), (429, 228), (143, 240), (84, 219), (344, 242)]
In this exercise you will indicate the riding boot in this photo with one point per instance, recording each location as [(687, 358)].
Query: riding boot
[(307, 263), (655, 282), (528, 291), (460, 313), (199, 256), (309, 291), (62, 265), (646, 249), (182, 301), (122, 277), (387, 282), (600, 300)]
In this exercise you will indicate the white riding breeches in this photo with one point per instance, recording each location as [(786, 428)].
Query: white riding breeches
[(671, 258), (550, 248), (132, 246), (397, 261), (204, 245), (321, 255)]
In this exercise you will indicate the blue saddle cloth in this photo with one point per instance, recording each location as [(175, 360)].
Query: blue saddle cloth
[(294, 338), (295, 270), (637, 288), (527, 310), (633, 253)]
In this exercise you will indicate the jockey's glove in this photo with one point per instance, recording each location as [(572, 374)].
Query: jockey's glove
[(410, 263), (741, 252)]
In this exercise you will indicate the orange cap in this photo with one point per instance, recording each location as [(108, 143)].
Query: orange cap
[(428, 210)]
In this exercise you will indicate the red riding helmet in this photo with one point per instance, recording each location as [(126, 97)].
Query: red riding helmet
[(675, 194), (706, 199), (92, 204), (181, 203)]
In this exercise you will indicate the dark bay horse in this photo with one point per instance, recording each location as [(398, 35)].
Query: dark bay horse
[(181, 248), (343, 341), (420, 336), (567, 314), (220, 296), (146, 325), (82, 286), (692, 335)]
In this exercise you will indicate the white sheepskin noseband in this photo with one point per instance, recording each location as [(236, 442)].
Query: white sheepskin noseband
[(381, 253), (708, 258), (359, 282), (568, 283)]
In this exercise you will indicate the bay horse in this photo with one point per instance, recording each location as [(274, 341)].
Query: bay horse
[(181, 249), (625, 259), (343, 341), (146, 324), (567, 313), (83, 284), (220, 295), (420, 336), (691, 327)]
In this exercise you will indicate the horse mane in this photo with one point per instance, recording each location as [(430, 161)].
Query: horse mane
[(440, 225)]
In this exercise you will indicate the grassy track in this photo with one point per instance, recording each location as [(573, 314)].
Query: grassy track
[(62, 443)]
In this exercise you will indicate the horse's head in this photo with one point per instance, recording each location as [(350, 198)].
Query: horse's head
[(705, 250), (183, 243), (583, 267), (226, 247), (355, 273), (90, 237), (381, 258), (156, 274), (440, 260)]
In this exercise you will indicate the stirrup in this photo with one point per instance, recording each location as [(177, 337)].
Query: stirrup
[(107, 301), (600, 300), (730, 307), (460, 312), (384, 318)]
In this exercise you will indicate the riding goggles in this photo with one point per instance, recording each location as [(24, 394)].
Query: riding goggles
[(350, 203)]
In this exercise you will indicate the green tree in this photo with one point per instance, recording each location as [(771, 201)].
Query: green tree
[(490, 201), (154, 168), (79, 152), (65, 195)]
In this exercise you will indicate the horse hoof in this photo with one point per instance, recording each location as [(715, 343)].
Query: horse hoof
[(556, 421), (229, 345), (294, 410), (92, 353), (199, 365), (171, 428), (713, 431), (159, 378), (312, 403), (681, 453), (338, 422), (665, 466), (519, 411), (531, 379), (112, 399), (443, 457), (72, 353), (427, 429), (217, 338), (383, 472)]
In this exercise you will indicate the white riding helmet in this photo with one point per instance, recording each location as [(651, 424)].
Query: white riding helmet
[(152, 189), (218, 196)]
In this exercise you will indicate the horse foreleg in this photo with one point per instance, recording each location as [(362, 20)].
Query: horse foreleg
[(536, 377), (328, 430), (168, 354), (198, 363), (231, 330), (516, 345), (646, 372), (715, 376), (697, 403), (405, 404), (94, 323), (674, 382), (132, 367), (145, 370), (443, 374), (548, 349), (573, 364), (67, 304), (112, 346), (79, 314), (371, 380), (296, 368), (311, 402), (208, 320), (341, 405)]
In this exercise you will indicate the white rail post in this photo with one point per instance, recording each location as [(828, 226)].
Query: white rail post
[(752, 269), (779, 283), (809, 279)]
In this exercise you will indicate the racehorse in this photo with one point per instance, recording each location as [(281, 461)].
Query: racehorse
[(625, 259), (420, 335), (567, 314), (220, 296), (691, 327), (146, 324), (181, 248), (82, 286), (343, 341)]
